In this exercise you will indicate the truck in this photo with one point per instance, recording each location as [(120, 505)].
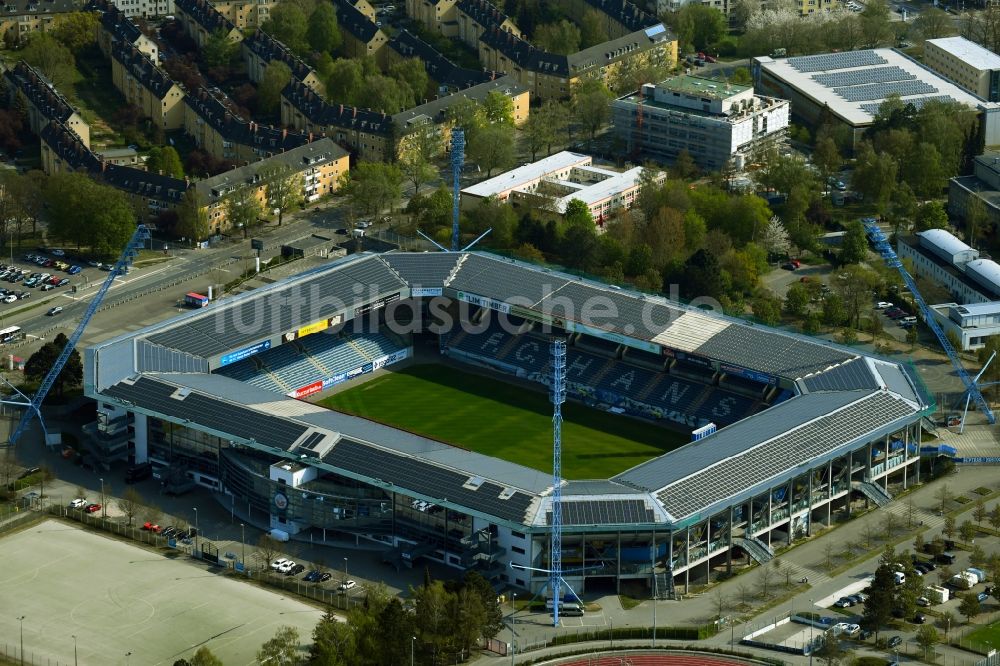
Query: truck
[(978, 573), (963, 580), (195, 300), (937, 594)]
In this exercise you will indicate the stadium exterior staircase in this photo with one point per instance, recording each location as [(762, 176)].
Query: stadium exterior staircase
[(755, 548), (873, 491), (663, 586)]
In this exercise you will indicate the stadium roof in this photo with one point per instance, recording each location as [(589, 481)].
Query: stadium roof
[(843, 397), (853, 84)]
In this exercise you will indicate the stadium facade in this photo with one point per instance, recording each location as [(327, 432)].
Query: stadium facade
[(214, 397)]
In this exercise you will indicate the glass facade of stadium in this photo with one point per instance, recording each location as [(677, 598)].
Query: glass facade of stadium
[(321, 505)]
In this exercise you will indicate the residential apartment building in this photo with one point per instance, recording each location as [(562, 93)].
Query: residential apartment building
[(618, 17), (554, 181), (147, 87), (320, 164), (360, 36), (446, 77), (145, 8), (20, 18), (200, 19), (223, 134), (436, 15), (481, 25), (260, 50), (43, 102), (117, 27), (373, 136), (246, 15), (971, 66), (714, 122)]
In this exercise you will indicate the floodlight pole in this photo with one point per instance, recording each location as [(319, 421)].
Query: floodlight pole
[(558, 397), (457, 160)]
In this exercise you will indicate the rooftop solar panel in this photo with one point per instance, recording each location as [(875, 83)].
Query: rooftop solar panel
[(883, 90), (604, 512), (423, 269), (857, 77), (848, 376), (831, 61), (918, 102)]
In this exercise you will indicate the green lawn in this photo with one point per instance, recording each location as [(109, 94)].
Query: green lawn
[(503, 420), (987, 635)]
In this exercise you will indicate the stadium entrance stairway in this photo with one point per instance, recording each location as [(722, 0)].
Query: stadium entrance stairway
[(663, 586), (873, 491), (755, 548)]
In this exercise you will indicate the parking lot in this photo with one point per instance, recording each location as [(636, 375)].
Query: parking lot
[(129, 605)]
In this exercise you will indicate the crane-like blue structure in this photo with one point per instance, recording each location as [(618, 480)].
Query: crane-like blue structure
[(121, 267), (881, 243), (457, 160)]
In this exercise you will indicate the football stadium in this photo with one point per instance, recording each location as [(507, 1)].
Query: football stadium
[(402, 400)]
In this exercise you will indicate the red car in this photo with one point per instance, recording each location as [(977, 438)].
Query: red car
[(152, 527), (93, 508)]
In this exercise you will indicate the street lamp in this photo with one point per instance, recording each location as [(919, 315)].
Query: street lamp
[(75, 661), (810, 636), (611, 622), (104, 509), (412, 641), (243, 542), (21, 620), (345, 570), (513, 621), (196, 528)]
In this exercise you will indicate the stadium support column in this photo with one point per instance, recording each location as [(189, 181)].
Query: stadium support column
[(457, 159), (789, 501), (907, 442), (141, 438), (558, 397), (687, 559), (729, 543), (829, 493), (809, 503)]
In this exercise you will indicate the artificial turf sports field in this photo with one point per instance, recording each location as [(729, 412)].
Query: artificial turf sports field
[(504, 420)]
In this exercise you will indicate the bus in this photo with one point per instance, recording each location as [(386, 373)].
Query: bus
[(10, 334), (195, 300)]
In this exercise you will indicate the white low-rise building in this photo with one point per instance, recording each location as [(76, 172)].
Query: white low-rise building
[(554, 181), (972, 324), (939, 256), (714, 121)]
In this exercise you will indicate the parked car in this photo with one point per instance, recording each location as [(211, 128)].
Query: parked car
[(78, 503), (278, 563), (923, 601), (919, 618), (286, 566), (93, 508), (62, 282), (347, 585), (296, 570), (312, 576), (168, 531), (58, 253), (883, 305), (894, 641), (49, 287), (789, 266), (73, 270), (54, 311), (982, 596), (843, 602), (325, 576)]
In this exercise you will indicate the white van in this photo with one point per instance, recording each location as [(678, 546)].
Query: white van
[(899, 577), (278, 535)]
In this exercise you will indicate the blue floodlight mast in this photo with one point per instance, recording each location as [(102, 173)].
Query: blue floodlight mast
[(889, 255), (137, 241), (558, 397), (457, 160)]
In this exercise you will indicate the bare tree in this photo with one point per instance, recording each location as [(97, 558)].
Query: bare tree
[(868, 534), (8, 468), (764, 581), (267, 549), (828, 555), (943, 495), (130, 503), (911, 512), (719, 604), (980, 513), (891, 524), (743, 589)]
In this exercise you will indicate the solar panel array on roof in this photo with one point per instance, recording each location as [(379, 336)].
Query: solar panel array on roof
[(761, 463), (501, 280), (428, 480), (857, 77), (604, 512), (613, 311), (851, 375), (256, 318), (883, 90), (210, 412), (429, 269), (829, 61), (767, 351), (917, 102)]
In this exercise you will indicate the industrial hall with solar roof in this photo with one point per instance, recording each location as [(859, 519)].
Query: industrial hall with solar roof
[(793, 430)]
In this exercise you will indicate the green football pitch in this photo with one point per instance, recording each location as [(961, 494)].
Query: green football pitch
[(498, 419)]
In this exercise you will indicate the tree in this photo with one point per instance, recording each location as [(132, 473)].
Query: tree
[(543, 126), (943, 495), (592, 105), (969, 605), (978, 558), (767, 308), (242, 208), (830, 652), (497, 108), (165, 160), (108, 214), (933, 23), (949, 528), (372, 186), (561, 37), (219, 50), (927, 637), (287, 23), (827, 156), (699, 26), (52, 58), (881, 594), (493, 148), (130, 503), (192, 217), (411, 74), (854, 287), (416, 163), (775, 238), (875, 175), (995, 517), (204, 657), (741, 76), (975, 218), (764, 581), (284, 188), (875, 28), (323, 34), (76, 30), (276, 76), (282, 649), (967, 531), (39, 364)]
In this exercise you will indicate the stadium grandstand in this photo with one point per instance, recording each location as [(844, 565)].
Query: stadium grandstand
[(787, 430)]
